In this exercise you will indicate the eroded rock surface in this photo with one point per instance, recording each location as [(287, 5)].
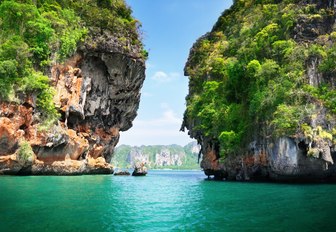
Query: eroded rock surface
[(97, 94), (139, 170)]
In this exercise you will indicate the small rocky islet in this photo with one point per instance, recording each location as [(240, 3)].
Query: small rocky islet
[(122, 173), (140, 169)]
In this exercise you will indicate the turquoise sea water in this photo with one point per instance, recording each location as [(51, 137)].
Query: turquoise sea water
[(162, 201)]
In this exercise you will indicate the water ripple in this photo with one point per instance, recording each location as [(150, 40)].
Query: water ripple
[(162, 201)]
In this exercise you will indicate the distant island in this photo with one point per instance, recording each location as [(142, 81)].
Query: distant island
[(158, 156)]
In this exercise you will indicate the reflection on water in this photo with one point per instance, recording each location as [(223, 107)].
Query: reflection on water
[(162, 201)]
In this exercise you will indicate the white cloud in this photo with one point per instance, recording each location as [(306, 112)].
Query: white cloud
[(160, 131), (162, 77)]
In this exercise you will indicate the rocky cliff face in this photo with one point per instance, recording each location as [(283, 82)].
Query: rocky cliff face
[(304, 150), (97, 93)]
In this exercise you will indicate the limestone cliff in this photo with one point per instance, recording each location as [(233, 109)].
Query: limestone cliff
[(261, 92), (96, 91)]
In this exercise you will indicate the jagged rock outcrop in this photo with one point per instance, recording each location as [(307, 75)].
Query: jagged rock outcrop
[(139, 170), (97, 93), (300, 151)]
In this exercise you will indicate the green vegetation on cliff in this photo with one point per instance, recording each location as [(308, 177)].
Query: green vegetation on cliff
[(35, 34), (25, 152), (266, 69)]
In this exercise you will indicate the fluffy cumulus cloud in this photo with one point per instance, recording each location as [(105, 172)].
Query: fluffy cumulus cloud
[(161, 131), (161, 76)]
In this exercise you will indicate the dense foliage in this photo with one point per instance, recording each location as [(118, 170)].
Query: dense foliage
[(249, 76), (37, 33), (25, 152)]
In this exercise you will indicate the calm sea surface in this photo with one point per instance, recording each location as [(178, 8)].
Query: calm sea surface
[(162, 201)]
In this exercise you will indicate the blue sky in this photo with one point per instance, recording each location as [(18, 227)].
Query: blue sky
[(169, 27)]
